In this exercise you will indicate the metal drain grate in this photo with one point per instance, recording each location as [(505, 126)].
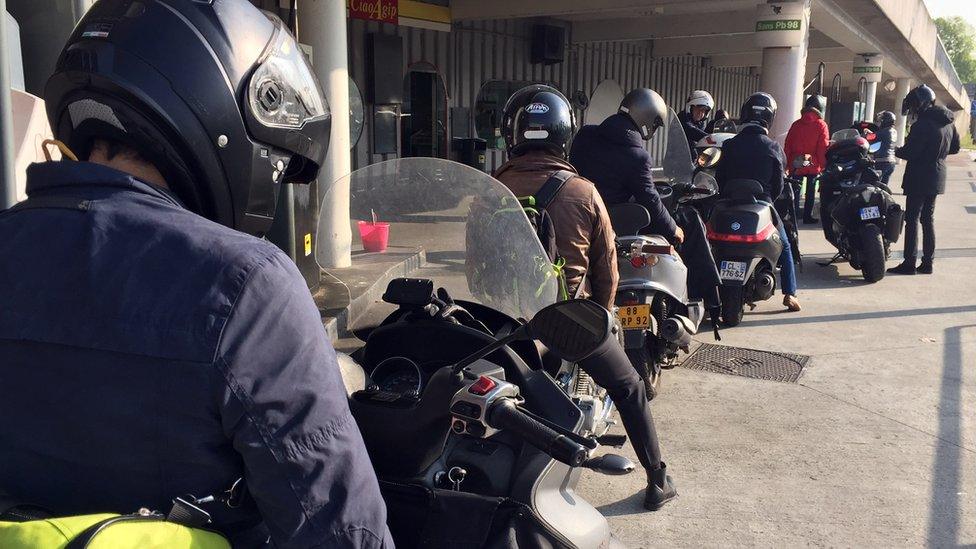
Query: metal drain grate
[(751, 363)]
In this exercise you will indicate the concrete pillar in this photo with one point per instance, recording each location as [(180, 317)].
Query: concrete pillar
[(782, 76), (871, 97), (784, 58), (322, 26), (904, 85), (8, 184)]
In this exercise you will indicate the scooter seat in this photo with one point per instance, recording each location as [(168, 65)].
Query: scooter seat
[(742, 190)]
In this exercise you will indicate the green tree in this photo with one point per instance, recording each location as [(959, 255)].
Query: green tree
[(959, 39)]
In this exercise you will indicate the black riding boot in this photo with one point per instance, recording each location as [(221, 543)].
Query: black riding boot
[(925, 267), (660, 489), (906, 267)]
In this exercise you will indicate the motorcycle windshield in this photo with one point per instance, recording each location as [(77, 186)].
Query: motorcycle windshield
[(677, 166), (849, 133), (468, 230)]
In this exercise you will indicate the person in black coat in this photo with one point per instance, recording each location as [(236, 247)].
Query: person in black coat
[(613, 156), (753, 155), (933, 136)]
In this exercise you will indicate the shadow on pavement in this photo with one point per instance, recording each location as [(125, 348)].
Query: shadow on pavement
[(947, 467), (633, 505), (859, 316)]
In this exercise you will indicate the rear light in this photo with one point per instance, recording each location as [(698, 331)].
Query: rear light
[(761, 236), (629, 302), (639, 261)]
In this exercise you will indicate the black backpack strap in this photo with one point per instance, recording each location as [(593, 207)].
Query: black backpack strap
[(551, 187)]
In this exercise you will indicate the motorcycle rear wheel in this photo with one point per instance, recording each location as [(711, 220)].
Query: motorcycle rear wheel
[(872, 254), (732, 305), (641, 360)]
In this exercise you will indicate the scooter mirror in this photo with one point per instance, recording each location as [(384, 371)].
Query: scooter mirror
[(610, 464), (709, 157), (875, 147), (572, 330)]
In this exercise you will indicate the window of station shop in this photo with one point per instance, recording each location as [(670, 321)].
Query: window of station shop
[(424, 115), (489, 107)]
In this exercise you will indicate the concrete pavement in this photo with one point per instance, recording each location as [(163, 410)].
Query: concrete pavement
[(875, 446)]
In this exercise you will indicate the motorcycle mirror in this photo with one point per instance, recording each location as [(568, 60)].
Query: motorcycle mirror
[(610, 464), (572, 330), (875, 147), (709, 157)]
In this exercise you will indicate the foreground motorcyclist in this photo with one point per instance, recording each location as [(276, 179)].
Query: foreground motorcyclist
[(751, 154), (614, 157), (694, 117), (150, 350), (884, 158), (806, 149), (931, 138), (540, 126)]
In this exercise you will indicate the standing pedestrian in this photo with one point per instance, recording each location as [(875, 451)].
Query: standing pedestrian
[(933, 136), (806, 150), (884, 158)]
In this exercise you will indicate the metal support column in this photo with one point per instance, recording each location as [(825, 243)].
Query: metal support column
[(8, 184)]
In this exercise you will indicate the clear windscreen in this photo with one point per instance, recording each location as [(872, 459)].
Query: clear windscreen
[(677, 165), (849, 133), (469, 231)]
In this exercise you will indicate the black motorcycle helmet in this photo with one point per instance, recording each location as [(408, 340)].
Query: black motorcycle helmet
[(646, 109), (918, 100), (885, 119), (817, 104), (759, 109), (515, 103), (544, 121), (216, 95)]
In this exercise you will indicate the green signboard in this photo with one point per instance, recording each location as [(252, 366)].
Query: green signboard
[(778, 25), (866, 70)]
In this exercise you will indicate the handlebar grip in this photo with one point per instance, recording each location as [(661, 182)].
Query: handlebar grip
[(506, 416)]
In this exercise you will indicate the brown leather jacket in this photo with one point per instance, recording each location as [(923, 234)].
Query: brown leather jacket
[(584, 236)]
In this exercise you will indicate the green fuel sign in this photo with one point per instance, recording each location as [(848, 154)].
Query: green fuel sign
[(867, 70), (778, 25)]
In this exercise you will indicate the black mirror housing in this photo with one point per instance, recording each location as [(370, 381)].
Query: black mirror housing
[(572, 330)]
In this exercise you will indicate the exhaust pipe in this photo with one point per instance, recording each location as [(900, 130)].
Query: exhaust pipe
[(678, 330)]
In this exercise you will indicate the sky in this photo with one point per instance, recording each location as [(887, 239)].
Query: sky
[(948, 8)]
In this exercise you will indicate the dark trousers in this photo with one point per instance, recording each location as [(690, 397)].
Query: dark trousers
[(809, 197), (920, 207), (886, 169), (612, 370)]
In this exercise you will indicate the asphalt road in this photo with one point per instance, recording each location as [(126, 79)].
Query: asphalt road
[(874, 446)]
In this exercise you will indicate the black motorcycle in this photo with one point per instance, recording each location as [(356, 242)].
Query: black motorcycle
[(858, 214), (473, 441)]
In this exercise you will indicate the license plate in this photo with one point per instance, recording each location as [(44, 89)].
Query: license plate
[(635, 317), (733, 270), (871, 212)]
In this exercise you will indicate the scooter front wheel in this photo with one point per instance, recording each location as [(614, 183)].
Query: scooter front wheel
[(732, 305)]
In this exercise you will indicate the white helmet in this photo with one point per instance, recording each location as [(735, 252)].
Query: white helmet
[(699, 98)]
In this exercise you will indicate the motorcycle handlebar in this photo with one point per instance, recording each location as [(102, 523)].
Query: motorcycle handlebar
[(505, 415)]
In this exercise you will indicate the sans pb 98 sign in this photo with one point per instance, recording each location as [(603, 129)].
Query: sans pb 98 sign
[(778, 25)]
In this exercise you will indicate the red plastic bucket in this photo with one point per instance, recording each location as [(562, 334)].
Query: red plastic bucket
[(375, 236)]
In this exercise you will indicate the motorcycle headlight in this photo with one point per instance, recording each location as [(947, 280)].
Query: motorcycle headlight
[(283, 91)]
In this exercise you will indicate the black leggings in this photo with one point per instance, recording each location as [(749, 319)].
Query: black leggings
[(612, 370)]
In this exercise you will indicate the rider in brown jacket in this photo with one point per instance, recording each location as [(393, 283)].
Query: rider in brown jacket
[(584, 236), (539, 125)]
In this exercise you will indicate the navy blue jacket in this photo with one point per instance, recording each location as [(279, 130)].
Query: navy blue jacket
[(752, 155), (148, 353), (886, 154), (613, 157), (932, 137)]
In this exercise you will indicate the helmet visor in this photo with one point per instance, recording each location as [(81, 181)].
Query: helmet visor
[(283, 92)]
